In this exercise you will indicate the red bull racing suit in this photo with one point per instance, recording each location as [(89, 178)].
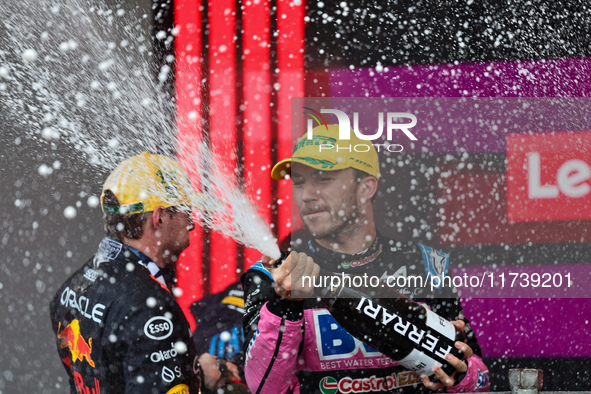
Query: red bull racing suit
[(120, 330), (298, 347)]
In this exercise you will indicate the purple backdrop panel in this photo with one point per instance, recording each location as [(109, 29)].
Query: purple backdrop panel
[(524, 78), (531, 327), (522, 281), (444, 124)]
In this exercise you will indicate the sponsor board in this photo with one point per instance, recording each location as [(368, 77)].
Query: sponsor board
[(372, 384), (335, 342), (362, 262), (158, 328), (160, 355), (168, 375), (70, 299), (548, 177), (82, 388)]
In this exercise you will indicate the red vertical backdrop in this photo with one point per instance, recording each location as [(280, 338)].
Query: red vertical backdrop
[(290, 80), (188, 45), (256, 69), (222, 127), (238, 64)]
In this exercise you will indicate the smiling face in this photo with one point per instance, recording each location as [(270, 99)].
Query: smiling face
[(327, 200)]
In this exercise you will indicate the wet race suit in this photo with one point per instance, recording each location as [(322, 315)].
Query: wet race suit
[(120, 330), (298, 347)]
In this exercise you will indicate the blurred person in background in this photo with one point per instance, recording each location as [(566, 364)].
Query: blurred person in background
[(219, 337)]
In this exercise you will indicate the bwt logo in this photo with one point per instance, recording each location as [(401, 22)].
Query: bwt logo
[(393, 123)]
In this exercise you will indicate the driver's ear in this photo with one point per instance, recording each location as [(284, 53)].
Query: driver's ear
[(368, 187), (157, 215)]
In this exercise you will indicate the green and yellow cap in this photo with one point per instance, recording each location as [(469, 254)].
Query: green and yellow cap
[(325, 151), (146, 181)]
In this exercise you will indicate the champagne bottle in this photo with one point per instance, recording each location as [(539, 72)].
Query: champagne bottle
[(394, 325), (389, 322)]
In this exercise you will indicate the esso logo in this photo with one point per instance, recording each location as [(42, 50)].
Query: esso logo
[(158, 328)]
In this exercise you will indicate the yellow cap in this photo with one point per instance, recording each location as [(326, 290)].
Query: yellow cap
[(146, 181), (324, 151)]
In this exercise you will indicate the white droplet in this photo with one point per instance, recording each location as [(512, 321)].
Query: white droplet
[(45, 170), (151, 302), (225, 336), (3, 72), (56, 165), (93, 201), (341, 213), (113, 143), (113, 338), (30, 55), (47, 133), (130, 267), (70, 212), (177, 291), (106, 64), (163, 73), (223, 48), (180, 347), (161, 35)]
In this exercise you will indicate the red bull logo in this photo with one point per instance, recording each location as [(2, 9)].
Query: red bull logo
[(72, 339), (83, 389)]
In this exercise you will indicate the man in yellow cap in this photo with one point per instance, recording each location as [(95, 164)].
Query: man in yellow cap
[(118, 327), (293, 343)]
